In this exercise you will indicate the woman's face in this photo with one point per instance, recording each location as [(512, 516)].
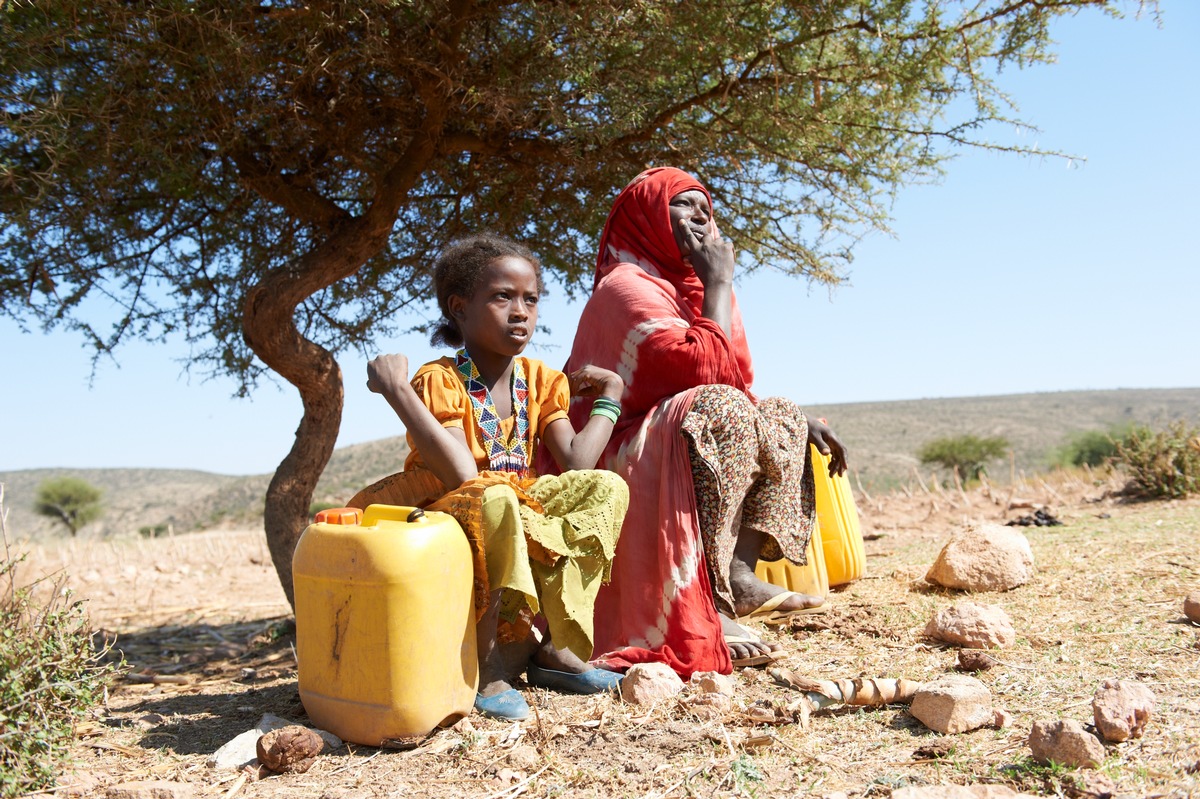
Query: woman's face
[(690, 210)]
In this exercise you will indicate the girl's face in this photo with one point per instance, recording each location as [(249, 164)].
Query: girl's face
[(499, 318)]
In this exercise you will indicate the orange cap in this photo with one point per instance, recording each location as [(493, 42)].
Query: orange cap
[(339, 516)]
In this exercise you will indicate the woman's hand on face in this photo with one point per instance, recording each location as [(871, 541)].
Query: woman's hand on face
[(385, 372), (712, 259), (829, 444), (592, 381)]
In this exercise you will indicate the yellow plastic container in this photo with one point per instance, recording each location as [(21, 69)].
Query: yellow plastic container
[(837, 516), (385, 624), (810, 578)]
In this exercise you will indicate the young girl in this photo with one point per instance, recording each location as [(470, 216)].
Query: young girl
[(541, 544)]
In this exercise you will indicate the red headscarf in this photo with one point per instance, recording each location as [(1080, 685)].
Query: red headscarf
[(639, 224)]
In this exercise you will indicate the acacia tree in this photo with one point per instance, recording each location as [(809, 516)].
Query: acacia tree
[(73, 502), (271, 179)]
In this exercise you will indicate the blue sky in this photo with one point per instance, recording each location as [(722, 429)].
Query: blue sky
[(1012, 275)]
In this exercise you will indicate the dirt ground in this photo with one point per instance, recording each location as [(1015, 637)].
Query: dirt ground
[(203, 626)]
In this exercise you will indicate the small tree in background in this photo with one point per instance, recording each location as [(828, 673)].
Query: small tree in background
[(968, 454), (72, 501), (1091, 447)]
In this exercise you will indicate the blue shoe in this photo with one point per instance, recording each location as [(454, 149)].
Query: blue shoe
[(595, 681), (508, 705)]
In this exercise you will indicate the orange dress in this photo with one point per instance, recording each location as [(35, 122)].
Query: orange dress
[(564, 527)]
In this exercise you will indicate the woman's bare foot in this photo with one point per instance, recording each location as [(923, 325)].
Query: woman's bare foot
[(745, 643), (749, 592)]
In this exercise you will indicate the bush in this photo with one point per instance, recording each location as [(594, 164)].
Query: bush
[(1091, 447), (51, 677), (1162, 464), (69, 500), (969, 454)]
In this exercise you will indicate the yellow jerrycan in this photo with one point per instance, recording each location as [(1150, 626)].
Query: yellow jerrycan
[(385, 623), (837, 516), (810, 578)]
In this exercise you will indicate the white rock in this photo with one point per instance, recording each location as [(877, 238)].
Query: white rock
[(1121, 709), (713, 682), (646, 683), (243, 749), (985, 557), (972, 625), (953, 703), (1065, 742)]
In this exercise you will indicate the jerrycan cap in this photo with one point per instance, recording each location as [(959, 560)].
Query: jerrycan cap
[(339, 516)]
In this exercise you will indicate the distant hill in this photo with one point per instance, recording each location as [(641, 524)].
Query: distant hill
[(882, 437)]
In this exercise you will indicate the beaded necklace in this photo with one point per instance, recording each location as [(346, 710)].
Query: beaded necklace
[(502, 457)]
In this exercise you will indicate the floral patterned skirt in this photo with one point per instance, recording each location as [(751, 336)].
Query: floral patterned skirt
[(750, 468)]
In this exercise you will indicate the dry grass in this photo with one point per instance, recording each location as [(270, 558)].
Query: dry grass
[(1106, 602)]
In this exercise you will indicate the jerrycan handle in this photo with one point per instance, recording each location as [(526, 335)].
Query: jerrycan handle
[(416, 513)]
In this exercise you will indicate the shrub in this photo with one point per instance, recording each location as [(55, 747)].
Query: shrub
[(51, 677), (969, 454), (1091, 447), (1162, 464), (69, 500)]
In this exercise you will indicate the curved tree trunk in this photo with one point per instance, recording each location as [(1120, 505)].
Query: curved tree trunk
[(312, 369)]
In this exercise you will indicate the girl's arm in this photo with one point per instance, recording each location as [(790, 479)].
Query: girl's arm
[(582, 450), (444, 449)]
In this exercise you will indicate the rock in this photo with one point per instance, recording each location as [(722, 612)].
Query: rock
[(524, 757), (150, 789), (1121, 709), (1191, 607), (243, 749), (985, 557), (712, 682), (289, 750), (1094, 785), (958, 792), (953, 703), (972, 625), (646, 683), (974, 660), (1001, 719), (1065, 742), (709, 706)]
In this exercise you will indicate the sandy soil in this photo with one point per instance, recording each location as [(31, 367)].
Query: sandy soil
[(202, 624)]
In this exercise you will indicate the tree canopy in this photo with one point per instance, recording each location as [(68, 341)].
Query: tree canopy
[(271, 179), (69, 500)]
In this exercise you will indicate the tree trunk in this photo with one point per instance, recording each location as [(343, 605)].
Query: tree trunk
[(268, 324), (290, 491)]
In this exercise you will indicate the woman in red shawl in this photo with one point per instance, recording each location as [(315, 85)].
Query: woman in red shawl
[(736, 485)]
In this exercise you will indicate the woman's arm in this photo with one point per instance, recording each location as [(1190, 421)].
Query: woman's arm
[(444, 449), (582, 450)]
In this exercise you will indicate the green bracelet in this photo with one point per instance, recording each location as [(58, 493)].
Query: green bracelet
[(607, 413), (608, 408), (610, 404)]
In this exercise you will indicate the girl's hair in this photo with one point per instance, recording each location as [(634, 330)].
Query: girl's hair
[(458, 270)]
